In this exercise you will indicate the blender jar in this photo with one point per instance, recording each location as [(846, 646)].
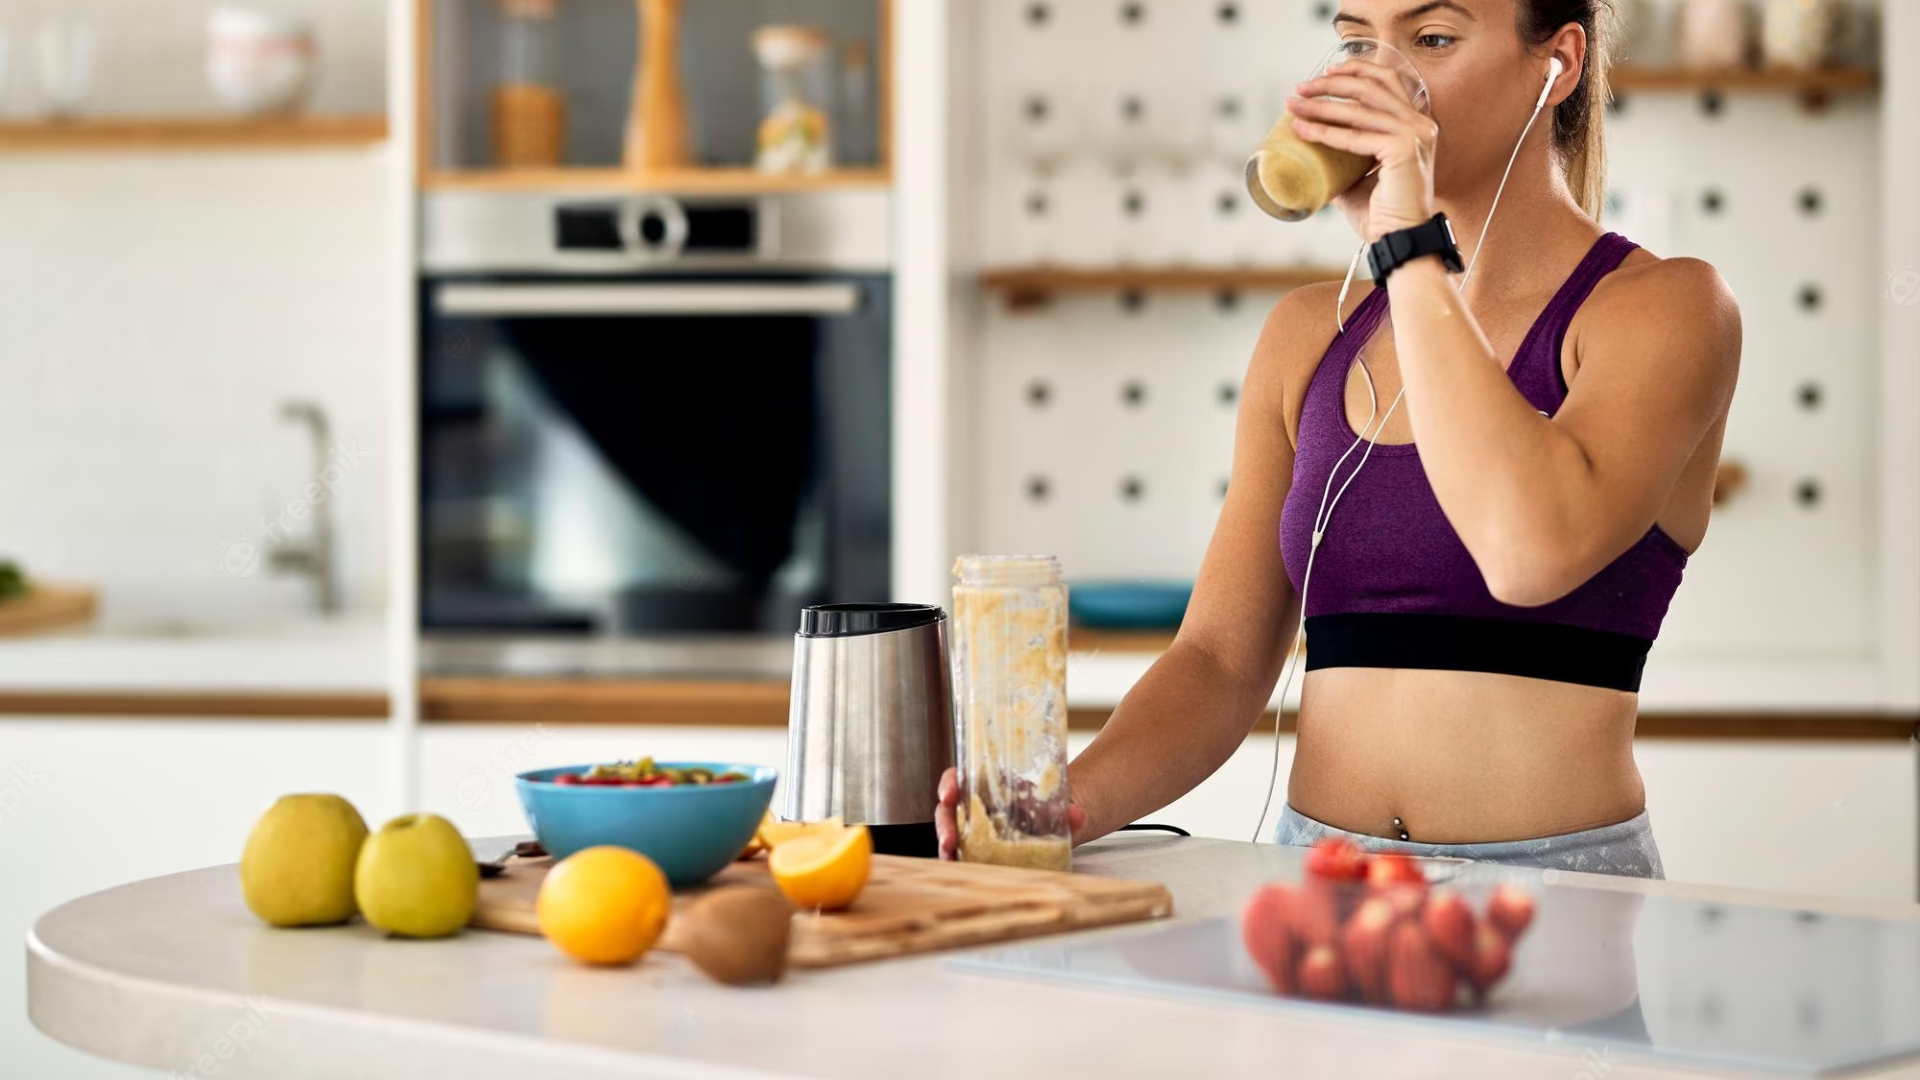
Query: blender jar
[(1009, 658)]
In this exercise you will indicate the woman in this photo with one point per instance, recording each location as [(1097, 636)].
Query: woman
[(1485, 591)]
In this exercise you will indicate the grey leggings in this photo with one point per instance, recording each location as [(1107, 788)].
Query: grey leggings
[(1625, 848)]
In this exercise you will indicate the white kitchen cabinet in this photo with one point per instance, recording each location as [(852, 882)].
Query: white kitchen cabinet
[(88, 804)]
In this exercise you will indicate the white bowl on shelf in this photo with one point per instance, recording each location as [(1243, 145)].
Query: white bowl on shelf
[(259, 63)]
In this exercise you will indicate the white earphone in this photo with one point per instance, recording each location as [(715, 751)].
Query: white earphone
[(1324, 515), (1554, 68)]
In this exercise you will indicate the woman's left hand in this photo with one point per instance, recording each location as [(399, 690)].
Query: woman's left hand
[(1379, 121)]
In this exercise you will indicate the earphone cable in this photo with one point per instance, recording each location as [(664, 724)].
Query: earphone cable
[(1323, 516)]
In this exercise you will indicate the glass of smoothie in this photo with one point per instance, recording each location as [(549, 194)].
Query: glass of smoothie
[(1291, 178)]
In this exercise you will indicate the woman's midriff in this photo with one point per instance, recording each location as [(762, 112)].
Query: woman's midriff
[(1462, 757)]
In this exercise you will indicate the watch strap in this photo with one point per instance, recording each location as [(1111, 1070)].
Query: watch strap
[(1401, 246)]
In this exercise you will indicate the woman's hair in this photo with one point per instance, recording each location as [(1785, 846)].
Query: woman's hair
[(1579, 127)]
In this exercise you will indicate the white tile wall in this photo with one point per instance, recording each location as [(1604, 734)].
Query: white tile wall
[(155, 311)]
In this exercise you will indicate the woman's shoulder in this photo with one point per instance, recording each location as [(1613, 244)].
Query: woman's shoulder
[(1645, 283), (1679, 307)]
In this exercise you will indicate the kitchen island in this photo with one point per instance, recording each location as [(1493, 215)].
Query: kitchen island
[(175, 974)]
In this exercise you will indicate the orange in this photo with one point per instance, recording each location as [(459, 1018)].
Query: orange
[(604, 905), (774, 832), (824, 867)]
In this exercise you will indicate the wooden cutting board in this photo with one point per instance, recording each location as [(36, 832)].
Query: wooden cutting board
[(909, 906), (47, 607)]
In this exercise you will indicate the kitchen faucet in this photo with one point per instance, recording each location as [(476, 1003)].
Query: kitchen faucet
[(315, 556)]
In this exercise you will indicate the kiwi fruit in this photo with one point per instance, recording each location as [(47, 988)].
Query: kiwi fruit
[(738, 935)]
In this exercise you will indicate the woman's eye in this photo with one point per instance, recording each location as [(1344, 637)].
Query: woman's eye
[(1433, 41)]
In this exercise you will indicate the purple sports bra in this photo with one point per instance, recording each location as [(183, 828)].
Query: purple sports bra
[(1393, 586)]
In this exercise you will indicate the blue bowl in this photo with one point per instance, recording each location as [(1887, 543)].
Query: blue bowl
[(1129, 605), (691, 831)]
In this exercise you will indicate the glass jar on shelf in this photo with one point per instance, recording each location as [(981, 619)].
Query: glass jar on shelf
[(857, 128), (797, 92), (528, 109), (1009, 657)]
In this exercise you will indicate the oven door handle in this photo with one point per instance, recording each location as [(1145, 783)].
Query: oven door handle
[(664, 299)]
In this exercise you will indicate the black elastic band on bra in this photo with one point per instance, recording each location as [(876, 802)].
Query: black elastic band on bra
[(1568, 654)]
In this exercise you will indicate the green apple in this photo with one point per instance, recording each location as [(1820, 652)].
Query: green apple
[(417, 877), (297, 869)]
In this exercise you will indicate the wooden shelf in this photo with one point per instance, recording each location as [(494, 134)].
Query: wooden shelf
[(1813, 86), (688, 181), (193, 133), (1032, 286)]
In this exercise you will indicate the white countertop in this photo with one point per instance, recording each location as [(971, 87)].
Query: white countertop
[(292, 654), (165, 972)]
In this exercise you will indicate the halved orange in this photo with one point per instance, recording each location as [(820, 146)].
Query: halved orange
[(823, 868)]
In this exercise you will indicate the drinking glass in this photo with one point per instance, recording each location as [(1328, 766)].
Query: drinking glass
[(1292, 178)]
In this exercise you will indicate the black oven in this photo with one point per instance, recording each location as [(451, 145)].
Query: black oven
[(647, 418)]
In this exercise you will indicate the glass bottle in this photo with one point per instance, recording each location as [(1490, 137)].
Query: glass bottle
[(797, 92), (1009, 657), (529, 111), (857, 128)]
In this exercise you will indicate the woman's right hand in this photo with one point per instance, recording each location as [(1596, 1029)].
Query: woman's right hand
[(947, 824), (945, 821)]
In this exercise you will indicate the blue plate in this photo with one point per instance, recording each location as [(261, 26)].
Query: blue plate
[(1129, 605), (691, 831)]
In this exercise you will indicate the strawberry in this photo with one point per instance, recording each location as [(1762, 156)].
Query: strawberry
[(1313, 913), (1492, 956), (1510, 910), (1388, 869), (1363, 944), (1321, 975), (1338, 859), (1263, 927), (1417, 977), (1448, 922)]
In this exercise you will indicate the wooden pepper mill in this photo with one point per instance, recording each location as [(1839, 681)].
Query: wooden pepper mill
[(658, 137)]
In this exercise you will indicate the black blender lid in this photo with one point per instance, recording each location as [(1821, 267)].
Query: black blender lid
[(849, 620)]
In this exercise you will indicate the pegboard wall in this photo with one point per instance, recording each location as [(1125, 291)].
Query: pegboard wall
[(1113, 132)]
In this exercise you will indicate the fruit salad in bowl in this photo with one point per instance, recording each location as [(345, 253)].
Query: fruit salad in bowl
[(691, 818)]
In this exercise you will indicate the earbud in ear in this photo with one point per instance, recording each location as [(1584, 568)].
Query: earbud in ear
[(1554, 68)]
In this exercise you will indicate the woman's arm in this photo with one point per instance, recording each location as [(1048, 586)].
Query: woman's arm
[(1195, 705), (1542, 505)]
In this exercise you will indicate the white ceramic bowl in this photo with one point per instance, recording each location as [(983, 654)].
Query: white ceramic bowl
[(258, 63)]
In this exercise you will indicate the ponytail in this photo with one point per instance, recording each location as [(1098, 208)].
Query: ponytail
[(1579, 122)]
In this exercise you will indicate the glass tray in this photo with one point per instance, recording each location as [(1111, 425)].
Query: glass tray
[(1663, 978)]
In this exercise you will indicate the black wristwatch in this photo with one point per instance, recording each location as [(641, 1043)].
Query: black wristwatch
[(1402, 246)]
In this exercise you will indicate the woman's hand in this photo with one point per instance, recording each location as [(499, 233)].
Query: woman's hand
[(945, 820), (1380, 122)]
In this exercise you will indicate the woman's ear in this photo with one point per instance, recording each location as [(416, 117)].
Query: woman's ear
[(1569, 49)]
